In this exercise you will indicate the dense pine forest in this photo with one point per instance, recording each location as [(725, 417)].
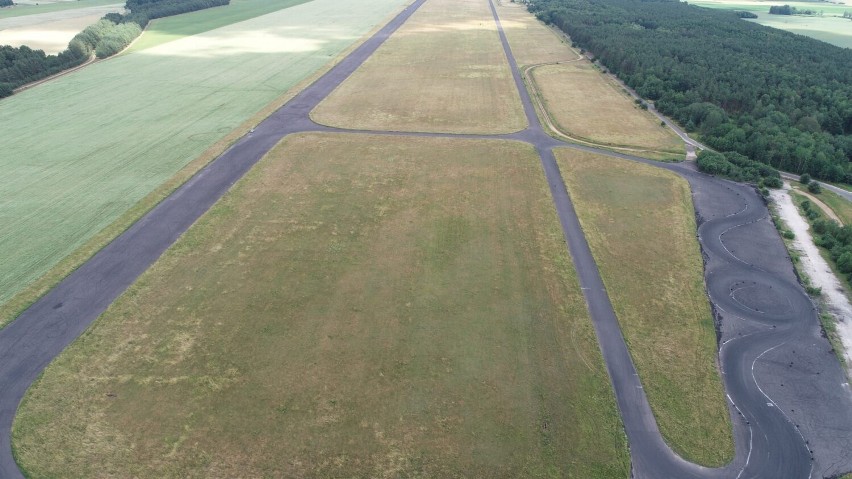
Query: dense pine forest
[(22, 65), (781, 99)]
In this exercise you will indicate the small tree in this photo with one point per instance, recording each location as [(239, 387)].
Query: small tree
[(814, 188), (805, 179)]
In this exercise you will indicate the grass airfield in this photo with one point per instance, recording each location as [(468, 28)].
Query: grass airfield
[(449, 73), (365, 305), (413, 312)]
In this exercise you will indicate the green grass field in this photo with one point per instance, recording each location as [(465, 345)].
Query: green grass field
[(167, 29), (829, 27), (83, 149), (21, 10), (413, 313), (640, 225), (841, 206)]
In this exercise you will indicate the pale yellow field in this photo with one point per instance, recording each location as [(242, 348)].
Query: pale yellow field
[(587, 106), (532, 43), (640, 225), (50, 32), (443, 71)]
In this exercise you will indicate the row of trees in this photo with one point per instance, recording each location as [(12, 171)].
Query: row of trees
[(833, 237), (738, 168), (788, 10), (780, 99), (110, 35), (6, 3)]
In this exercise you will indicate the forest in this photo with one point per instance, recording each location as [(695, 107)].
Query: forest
[(775, 97), (6, 3), (110, 35)]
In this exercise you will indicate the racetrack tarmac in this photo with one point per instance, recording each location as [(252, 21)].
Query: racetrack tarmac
[(791, 406)]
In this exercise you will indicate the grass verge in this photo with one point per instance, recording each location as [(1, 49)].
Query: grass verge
[(640, 225), (586, 105), (443, 71), (411, 313)]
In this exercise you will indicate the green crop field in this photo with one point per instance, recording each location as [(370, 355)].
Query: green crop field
[(33, 9), (79, 151), (168, 29), (830, 27), (412, 313), (640, 225)]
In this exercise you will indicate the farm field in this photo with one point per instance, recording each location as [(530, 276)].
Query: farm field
[(168, 29), (57, 191), (52, 31), (411, 313), (830, 27), (25, 8), (640, 225), (585, 105), (443, 71)]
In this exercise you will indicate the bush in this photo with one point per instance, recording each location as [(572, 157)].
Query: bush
[(814, 188), (805, 179), (788, 234)]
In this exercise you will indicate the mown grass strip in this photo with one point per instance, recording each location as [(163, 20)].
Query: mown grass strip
[(413, 312), (443, 71), (640, 225)]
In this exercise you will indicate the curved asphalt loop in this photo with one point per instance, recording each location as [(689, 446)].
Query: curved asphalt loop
[(748, 277)]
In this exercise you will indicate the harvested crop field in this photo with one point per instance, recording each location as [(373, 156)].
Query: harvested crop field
[(169, 29), (356, 306), (23, 8), (119, 129), (443, 71), (531, 41), (50, 32), (640, 225), (586, 105)]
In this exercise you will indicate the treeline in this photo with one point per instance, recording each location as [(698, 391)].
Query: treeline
[(788, 10), (745, 14), (833, 237), (780, 99), (6, 3), (738, 168), (110, 35)]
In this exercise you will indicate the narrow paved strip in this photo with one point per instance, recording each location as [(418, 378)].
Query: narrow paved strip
[(39, 334)]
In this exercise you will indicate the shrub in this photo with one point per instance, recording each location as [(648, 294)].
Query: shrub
[(814, 187), (805, 179)]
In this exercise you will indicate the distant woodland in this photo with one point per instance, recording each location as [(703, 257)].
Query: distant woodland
[(774, 97), (110, 35)]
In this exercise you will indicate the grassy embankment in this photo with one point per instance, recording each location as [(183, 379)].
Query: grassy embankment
[(640, 225), (829, 27), (109, 150), (168, 29), (443, 71), (579, 101), (28, 9), (411, 313)]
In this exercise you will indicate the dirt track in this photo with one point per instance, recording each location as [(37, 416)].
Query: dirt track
[(774, 361)]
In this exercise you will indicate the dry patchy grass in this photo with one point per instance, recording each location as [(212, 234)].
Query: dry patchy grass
[(640, 224), (443, 71), (588, 106), (532, 43), (356, 306)]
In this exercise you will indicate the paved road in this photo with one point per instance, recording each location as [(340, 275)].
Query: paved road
[(747, 277)]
